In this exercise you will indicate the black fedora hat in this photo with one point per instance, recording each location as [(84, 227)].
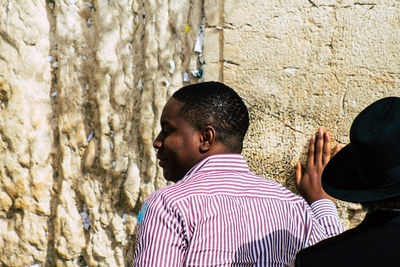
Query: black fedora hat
[(368, 169)]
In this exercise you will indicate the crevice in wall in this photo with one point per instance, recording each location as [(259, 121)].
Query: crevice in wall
[(221, 40), (55, 158)]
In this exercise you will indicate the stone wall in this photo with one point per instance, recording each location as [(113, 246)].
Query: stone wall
[(305, 64), (83, 83)]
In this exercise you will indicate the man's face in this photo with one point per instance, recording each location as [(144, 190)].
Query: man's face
[(177, 143)]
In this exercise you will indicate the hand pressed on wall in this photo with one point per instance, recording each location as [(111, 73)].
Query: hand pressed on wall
[(308, 181)]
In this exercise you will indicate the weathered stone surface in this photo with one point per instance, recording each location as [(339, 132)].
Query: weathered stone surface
[(68, 228), (83, 84), (305, 64)]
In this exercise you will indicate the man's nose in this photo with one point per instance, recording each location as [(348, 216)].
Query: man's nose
[(157, 142)]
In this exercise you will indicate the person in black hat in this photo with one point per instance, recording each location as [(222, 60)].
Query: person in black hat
[(366, 171)]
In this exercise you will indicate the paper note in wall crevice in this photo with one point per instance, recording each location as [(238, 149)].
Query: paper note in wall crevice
[(186, 77), (199, 44), (171, 66)]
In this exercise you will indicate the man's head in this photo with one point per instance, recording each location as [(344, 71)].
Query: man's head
[(368, 169), (198, 121), (215, 104)]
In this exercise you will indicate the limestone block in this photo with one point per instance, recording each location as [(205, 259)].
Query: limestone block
[(118, 229), (211, 45), (26, 136), (145, 191), (367, 49), (9, 243), (230, 51), (83, 84), (5, 202), (131, 223), (212, 12), (132, 184), (307, 64), (211, 72), (90, 155), (88, 189), (68, 229)]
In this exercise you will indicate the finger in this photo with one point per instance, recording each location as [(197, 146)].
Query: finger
[(336, 149), (319, 146), (311, 147), (298, 173), (327, 148)]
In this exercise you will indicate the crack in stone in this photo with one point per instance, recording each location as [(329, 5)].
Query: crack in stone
[(312, 3), (231, 62), (286, 124)]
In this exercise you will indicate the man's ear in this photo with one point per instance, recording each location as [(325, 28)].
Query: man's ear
[(208, 135)]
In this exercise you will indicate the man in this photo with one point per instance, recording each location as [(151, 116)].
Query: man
[(218, 213), (366, 171)]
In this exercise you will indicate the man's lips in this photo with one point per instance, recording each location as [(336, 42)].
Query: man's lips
[(162, 161)]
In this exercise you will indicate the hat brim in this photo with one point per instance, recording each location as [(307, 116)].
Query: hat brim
[(341, 180)]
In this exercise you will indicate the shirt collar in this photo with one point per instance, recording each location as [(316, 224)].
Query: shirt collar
[(219, 162)]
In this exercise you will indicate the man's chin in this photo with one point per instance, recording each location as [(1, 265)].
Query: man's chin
[(170, 177), (167, 175)]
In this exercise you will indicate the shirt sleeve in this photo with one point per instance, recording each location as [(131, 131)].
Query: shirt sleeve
[(160, 238), (328, 222)]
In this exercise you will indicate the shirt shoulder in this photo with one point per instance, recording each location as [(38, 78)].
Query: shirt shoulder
[(234, 184), (159, 195), (157, 206)]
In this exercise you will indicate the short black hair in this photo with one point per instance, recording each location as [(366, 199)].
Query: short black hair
[(218, 105)]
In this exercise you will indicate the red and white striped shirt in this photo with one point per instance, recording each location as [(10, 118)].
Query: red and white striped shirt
[(220, 214)]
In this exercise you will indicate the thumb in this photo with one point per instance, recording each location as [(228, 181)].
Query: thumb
[(298, 173)]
